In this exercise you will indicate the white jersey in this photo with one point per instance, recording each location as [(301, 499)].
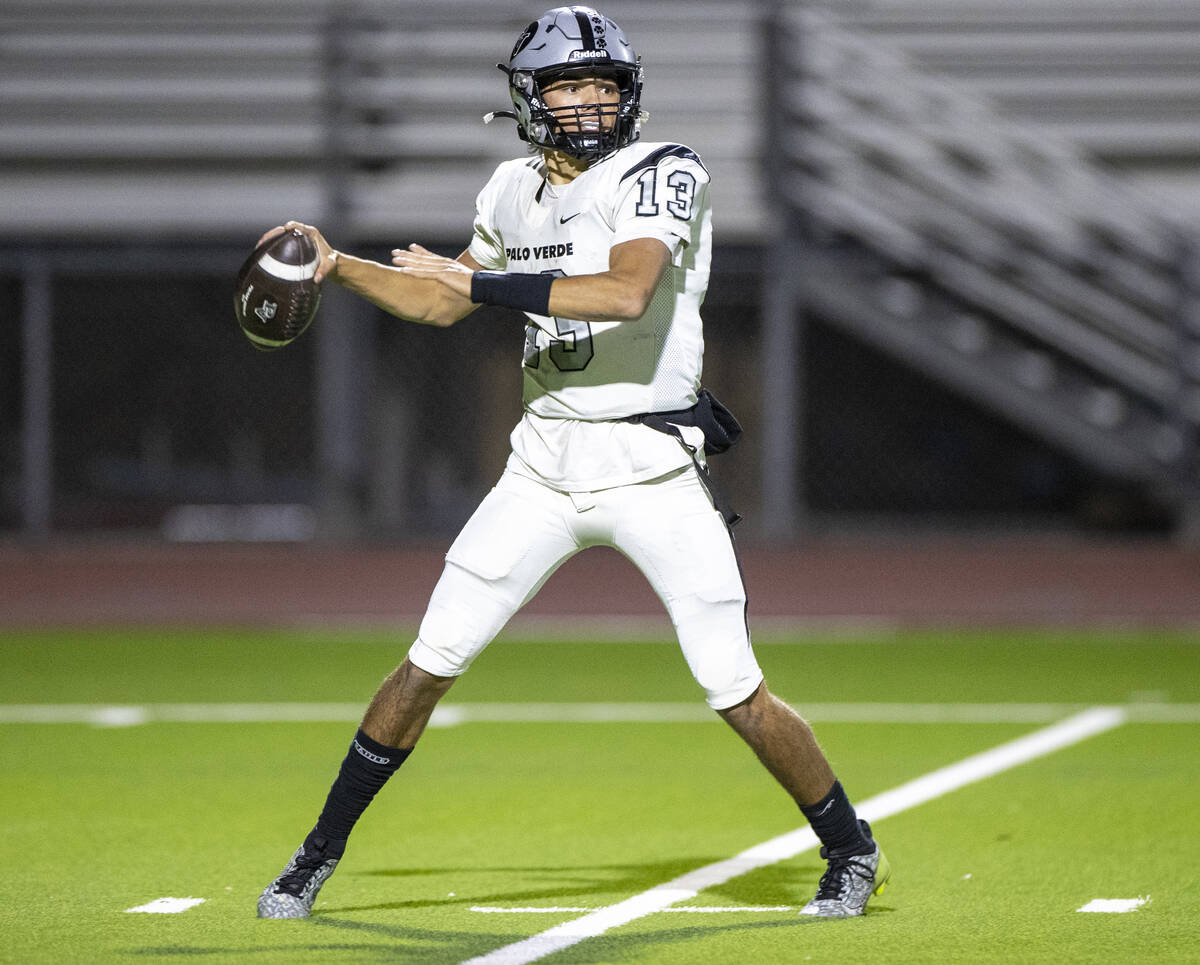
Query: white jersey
[(580, 376)]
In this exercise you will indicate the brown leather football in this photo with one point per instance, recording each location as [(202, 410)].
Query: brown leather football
[(276, 297)]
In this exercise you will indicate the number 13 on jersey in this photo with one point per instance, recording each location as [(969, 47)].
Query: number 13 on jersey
[(570, 350), (680, 193)]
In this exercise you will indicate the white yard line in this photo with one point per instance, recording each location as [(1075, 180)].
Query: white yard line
[(860, 713), (1074, 729), (724, 909), (128, 715), (551, 910), (450, 715)]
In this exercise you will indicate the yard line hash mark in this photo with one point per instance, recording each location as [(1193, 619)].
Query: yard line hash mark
[(1114, 906), (166, 906), (1005, 756)]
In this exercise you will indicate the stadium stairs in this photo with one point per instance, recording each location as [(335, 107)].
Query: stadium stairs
[(999, 257)]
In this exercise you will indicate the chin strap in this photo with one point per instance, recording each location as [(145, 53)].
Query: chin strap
[(492, 115)]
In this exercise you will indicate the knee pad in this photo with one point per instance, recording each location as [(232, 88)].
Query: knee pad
[(465, 613), (716, 646)]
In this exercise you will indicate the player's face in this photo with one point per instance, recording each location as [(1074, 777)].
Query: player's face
[(584, 103)]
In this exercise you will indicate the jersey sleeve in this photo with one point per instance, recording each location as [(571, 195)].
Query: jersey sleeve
[(663, 196), (487, 247)]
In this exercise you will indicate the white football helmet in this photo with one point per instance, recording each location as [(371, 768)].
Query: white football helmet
[(570, 41)]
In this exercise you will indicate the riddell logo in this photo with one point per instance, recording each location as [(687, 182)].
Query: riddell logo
[(588, 55), (375, 758)]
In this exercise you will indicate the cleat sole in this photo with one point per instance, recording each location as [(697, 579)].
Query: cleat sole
[(882, 873)]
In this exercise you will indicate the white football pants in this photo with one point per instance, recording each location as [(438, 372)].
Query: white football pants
[(523, 531)]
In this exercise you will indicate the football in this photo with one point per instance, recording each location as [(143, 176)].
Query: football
[(276, 297)]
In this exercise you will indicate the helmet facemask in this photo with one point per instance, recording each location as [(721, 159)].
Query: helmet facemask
[(584, 131)]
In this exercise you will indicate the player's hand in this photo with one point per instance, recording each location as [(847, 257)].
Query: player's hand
[(423, 263), (328, 263)]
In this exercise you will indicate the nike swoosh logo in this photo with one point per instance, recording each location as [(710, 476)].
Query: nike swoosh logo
[(562, 220)]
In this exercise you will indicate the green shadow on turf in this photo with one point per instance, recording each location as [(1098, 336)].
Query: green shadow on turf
[(785, 883), (394, 943), (574, 882)]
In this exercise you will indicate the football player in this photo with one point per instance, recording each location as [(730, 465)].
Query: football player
[(603, 241)]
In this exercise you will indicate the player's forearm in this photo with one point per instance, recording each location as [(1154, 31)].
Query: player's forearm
[(599, 298), (620, 294), (400, 294)]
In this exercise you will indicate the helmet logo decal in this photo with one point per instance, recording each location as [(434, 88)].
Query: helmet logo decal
[(523, 40), (587, 35), (598, 38), (591, 37)]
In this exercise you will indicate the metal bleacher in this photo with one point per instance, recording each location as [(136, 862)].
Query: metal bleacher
[(213, 118), (996, 256), (1119, 80)]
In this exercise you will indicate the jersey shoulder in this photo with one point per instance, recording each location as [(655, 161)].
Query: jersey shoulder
[(510, 173), (642, 155)]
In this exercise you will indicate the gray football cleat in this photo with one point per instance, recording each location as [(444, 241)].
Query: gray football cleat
[(292, 894), (848, 884)]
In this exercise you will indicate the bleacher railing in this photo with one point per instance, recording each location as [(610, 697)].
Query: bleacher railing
[(1001, 261)]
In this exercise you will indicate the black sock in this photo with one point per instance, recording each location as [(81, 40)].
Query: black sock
[(835, 823), (365, 770)]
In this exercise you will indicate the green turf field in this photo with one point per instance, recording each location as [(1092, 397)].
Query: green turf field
[(141, 793)]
